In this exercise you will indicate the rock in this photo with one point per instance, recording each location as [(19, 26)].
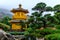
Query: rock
[(5, 36)]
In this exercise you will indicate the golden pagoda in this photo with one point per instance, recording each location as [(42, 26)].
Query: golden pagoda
[(19, 14)]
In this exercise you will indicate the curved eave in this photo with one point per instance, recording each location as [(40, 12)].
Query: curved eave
[(14, 10)]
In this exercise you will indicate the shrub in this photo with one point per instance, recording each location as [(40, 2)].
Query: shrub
[(48, 31), (45, 32), (32, 32), (55, 36), (57, 26), (4, 27)]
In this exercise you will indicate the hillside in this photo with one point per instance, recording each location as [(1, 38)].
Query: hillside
[(5, 12)]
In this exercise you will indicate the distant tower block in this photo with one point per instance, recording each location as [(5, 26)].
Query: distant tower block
[(19, 14)]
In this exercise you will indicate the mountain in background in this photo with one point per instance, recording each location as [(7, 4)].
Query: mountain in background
[(5, 12)]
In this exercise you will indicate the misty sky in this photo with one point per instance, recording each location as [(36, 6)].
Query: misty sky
[(27, 4)]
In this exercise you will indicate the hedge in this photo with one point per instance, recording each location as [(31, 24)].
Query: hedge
[(49, 31), (55, 36)]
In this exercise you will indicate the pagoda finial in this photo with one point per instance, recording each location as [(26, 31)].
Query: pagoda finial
[(20, 6)]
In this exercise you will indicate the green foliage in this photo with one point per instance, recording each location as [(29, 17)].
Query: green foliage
[(5, 29), (35, 14), (57, 15), (49, 8), (22, 23), (57, 7), (31, 19), (40, 20), (6, 20), (51, 20), (56, 20), (32, 32), (4, 26), (55, 36), (36, 21), (48, 31), (40, 33), (39, 6), (57, 26)]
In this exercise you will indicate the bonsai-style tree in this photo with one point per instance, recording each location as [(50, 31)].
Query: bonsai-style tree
[(40, 8), (36, 20), (57, 7)]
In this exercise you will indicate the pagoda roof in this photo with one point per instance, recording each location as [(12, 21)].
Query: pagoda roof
[(20, 9), (17, 21)]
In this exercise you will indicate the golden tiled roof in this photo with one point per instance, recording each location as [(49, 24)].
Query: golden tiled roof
[(20, 9)]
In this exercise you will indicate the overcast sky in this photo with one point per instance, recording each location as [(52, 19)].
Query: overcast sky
[(27, 4)]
